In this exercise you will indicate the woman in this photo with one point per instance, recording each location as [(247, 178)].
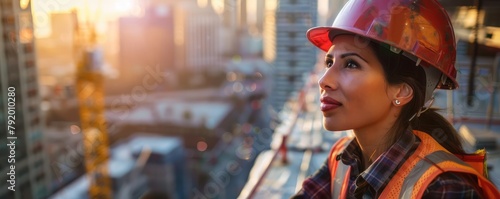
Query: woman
[(384, 59)]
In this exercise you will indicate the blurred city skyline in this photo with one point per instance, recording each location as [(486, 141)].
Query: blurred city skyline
[(192, 70), (114, 9)]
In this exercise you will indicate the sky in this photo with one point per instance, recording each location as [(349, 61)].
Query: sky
[(113, 8), (106, 10)]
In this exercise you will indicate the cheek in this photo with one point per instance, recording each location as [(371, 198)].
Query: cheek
[(365, 84), (367, 95), (360, 87)]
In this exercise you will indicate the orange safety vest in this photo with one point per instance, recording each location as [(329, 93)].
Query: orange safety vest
[(428, 161)]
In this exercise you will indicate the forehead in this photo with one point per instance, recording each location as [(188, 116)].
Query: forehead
[(351, 43)]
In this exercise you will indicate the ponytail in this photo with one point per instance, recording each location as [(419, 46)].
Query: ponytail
[(440, 129)]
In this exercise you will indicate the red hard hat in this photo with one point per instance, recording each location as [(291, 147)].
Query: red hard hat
[(420, 28)]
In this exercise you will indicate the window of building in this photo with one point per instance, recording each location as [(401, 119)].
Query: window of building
[(25, 190), (23, 171), (28, 47), (9, 37), (8, 20), (291, 17), (35, 121), (291, 78), (292, 49), (5, 4), (39, 177), (31, 109), (32, 93), (292, 35), (29, 64), (38, 163), (10, 51), (14, 76), (292, 63)]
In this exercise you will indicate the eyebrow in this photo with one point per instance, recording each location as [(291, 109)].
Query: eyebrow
[(347, 55)]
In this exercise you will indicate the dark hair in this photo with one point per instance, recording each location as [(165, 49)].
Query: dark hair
[(400, 69)]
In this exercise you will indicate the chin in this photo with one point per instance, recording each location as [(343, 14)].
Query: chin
[(332, 124), (331, 128)]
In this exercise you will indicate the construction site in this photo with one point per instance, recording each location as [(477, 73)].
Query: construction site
[(195, 98)]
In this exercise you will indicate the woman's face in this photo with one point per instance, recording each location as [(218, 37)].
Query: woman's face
[(354, 92)]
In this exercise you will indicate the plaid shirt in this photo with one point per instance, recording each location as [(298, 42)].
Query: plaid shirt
[(371, 182)]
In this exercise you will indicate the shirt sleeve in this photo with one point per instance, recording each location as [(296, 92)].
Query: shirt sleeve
[(453, 185), (316, 185)]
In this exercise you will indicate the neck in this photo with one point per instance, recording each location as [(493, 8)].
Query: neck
[(374, 140), (372, 145)]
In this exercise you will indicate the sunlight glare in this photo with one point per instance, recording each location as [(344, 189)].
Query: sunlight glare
[(202, 3), (218, 6)]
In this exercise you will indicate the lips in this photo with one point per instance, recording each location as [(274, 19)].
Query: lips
[(328, 103)]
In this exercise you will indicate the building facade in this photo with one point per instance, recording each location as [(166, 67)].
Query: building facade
[(198, 43), (146, 41), (286, 47), (18, 75)]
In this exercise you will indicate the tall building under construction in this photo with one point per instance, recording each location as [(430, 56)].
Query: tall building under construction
[(18, 75)]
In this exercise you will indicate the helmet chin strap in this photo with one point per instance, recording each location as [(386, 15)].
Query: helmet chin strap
[(432, 76)]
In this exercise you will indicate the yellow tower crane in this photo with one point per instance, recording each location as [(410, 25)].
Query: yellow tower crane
[(90, 91)]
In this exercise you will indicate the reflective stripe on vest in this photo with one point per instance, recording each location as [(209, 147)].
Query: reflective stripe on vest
[(422, 167), (341, 180)]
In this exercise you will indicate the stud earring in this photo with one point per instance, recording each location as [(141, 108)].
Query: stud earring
[(397, 102)]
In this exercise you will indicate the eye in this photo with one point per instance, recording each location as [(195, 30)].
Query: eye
[(351, 64), (328, 63)]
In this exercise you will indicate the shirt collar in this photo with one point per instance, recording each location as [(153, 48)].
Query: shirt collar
[(378, 174)]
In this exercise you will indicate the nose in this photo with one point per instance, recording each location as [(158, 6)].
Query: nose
[(327, 80)]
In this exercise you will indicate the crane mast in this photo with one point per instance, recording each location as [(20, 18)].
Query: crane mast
[(90, 93)]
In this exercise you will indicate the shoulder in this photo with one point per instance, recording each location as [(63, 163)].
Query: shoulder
[(453, 185)]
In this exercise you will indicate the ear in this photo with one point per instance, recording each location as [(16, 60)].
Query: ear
[(403, 93)]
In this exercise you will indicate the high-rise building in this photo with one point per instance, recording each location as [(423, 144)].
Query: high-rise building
[(146, 41), (18, 76), (255, 15), (55, 53), (242, 14), (286, 47), (235, 13), (228, 10), (198, 42), (235, 19)]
